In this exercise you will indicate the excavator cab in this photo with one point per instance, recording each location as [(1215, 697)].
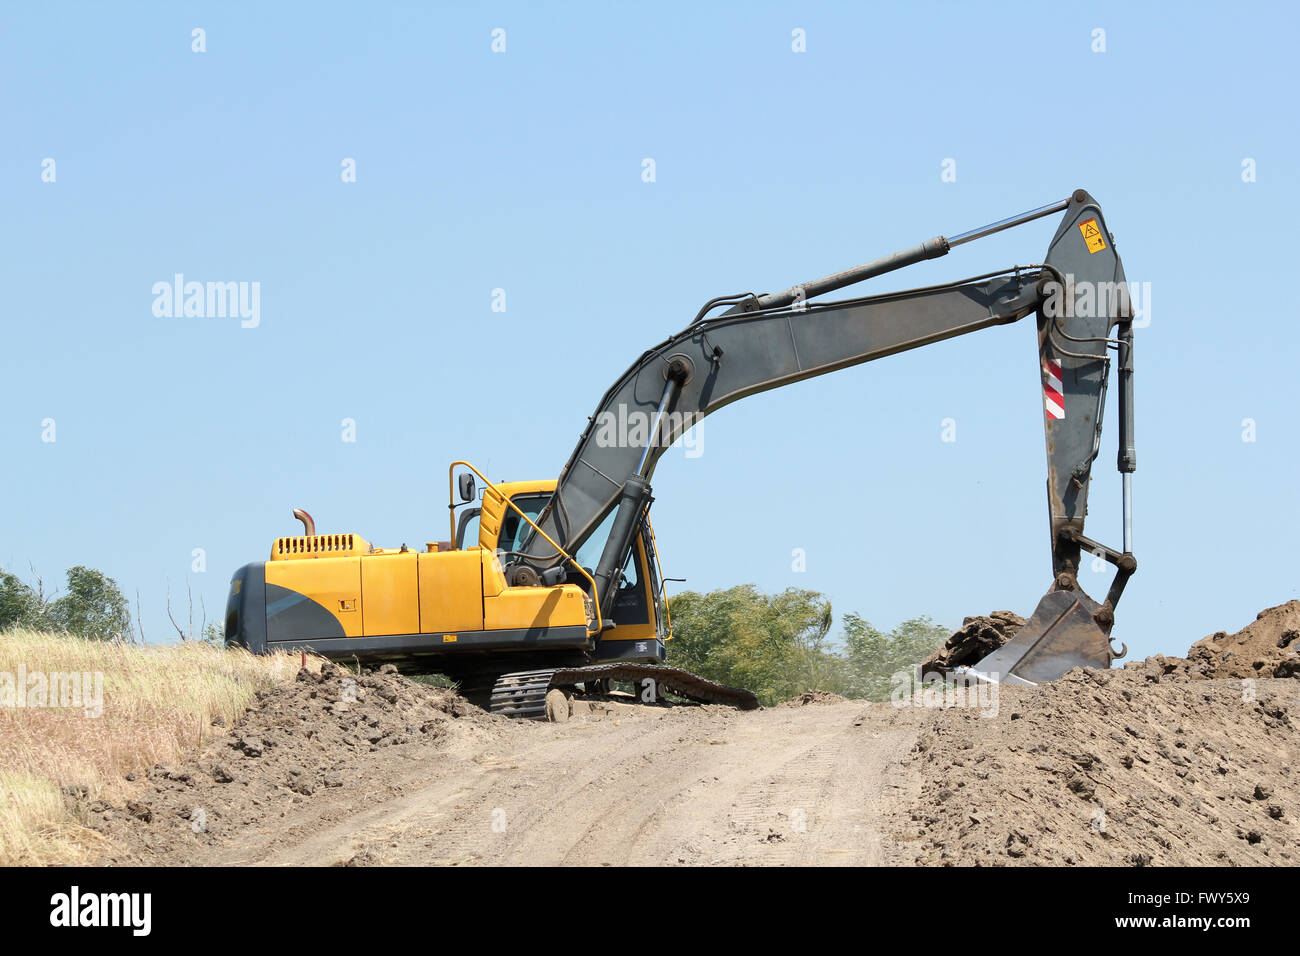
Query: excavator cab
[(636, 627)]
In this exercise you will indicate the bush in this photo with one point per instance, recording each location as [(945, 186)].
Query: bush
[(873, 657), (778, 645), (92, 607), (20, 605)]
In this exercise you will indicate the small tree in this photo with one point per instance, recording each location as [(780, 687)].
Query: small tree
[(20, 604), (772, 644), (873, 657), (93, 607)]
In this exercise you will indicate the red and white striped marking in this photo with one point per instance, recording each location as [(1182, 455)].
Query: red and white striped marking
[(1053, 390)]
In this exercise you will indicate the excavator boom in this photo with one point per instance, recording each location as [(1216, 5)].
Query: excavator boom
[(1080, 296)]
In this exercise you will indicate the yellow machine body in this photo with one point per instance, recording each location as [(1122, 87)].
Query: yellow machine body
[(337, 595)]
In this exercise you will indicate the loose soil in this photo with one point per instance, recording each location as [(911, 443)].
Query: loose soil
[(1165, 761)]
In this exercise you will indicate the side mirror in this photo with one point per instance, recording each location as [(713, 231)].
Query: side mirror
[(465, 481)]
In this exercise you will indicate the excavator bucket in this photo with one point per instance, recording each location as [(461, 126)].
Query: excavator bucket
[(1061, 634)]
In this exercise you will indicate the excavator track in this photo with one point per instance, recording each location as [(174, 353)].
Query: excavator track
[(522, 694), (670, 679)]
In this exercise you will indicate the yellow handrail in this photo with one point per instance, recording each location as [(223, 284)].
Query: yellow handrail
[(451, 497), (663, 585)]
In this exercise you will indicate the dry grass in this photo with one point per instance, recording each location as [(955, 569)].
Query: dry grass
[(157, 703)]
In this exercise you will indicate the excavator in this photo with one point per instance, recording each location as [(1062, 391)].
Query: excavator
[(546, 588)]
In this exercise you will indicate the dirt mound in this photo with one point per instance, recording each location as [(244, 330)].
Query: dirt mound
[(1267, 647), (1134, 767), (813, 697), (978, 637), (298, 741)]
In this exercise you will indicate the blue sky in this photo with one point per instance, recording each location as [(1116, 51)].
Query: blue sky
[(522, 171)]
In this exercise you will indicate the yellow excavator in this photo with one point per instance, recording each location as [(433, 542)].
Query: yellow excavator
[(542, 587)]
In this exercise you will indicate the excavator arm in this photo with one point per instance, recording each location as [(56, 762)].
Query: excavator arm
[(761, 342)]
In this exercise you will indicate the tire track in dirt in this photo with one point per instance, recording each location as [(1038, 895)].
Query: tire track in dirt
[(651, 787), (818, 800), (484, 809)]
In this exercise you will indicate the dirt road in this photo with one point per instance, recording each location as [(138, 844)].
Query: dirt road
[(1168, 761), (641, 786), (624, 785), (1098, 768)]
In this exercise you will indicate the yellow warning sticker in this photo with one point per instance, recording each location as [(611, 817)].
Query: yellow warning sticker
[(1092, 236)]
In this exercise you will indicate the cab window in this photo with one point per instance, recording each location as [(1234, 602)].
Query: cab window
[(467, 531), (629, 603), (515, 529)]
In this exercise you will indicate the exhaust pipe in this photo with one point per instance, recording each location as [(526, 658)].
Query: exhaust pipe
[(308, 522)]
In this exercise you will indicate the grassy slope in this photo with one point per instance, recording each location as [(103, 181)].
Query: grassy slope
[(157, 702)]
